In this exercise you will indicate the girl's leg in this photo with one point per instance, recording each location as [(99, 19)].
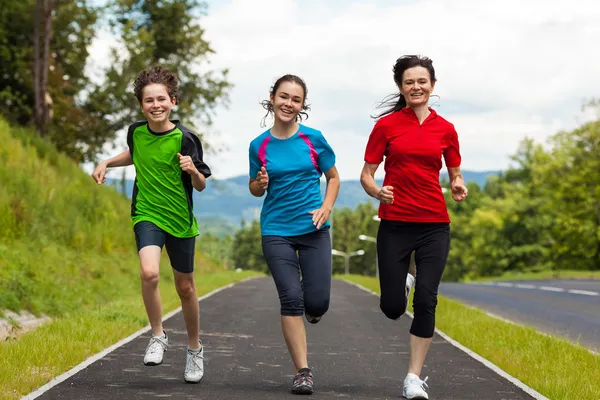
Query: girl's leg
[(281, 258), (314, 253)]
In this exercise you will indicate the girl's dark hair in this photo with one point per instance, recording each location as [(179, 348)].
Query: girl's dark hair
[(396, 102), (156, 75), (267, 105)]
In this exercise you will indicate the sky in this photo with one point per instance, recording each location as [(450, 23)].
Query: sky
[(506, 69)]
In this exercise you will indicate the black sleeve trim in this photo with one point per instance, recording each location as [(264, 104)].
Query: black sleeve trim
[(191, 146), (130, 131)]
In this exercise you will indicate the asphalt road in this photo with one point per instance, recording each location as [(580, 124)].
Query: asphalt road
[(567, 308), (355, 352)]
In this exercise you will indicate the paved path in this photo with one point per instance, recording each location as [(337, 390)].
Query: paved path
[(356, 353), (569, 308)]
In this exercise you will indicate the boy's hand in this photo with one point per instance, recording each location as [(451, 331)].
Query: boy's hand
[(263, 178), (187, 165), (99, 174)]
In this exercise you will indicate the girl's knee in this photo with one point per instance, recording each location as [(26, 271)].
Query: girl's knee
[(292, 303), (316, 307)]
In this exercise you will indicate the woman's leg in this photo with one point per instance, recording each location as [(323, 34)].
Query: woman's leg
[(431, 255), (395, 242)]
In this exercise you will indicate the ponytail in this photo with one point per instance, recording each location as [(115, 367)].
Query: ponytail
[(393, 102)]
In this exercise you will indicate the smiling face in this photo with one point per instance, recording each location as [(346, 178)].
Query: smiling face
[(287, 102), (416, 86), (156, 103)]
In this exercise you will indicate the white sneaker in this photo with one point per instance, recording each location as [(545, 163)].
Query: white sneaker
[(155, 350), (414, 388), (410, 283), (194, 365)]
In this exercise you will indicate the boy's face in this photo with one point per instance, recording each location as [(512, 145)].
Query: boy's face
[(156, 103)]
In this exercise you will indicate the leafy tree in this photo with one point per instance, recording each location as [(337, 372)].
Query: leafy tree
[(157, 33), (72, 23)]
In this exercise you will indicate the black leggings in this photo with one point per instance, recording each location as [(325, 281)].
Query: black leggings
[(395, 242)]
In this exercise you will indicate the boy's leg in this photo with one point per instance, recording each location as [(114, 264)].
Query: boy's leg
[(315, 262), (181, 254), (150, 239)]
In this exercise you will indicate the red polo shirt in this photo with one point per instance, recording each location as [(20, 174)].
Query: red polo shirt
[(413, 160)]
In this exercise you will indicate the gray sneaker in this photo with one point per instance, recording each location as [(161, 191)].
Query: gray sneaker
[(155, 349), (194, 365)]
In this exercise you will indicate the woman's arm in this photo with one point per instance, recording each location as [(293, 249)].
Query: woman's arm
[(367, 180)]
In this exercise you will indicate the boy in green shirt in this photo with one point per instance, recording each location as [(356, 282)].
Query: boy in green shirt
[(168, 165)]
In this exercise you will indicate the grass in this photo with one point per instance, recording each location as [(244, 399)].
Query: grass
[(566, 274), (67, 251), (37, 357), (554, 367)]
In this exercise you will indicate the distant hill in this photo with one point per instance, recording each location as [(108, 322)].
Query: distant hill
[(221, 207)]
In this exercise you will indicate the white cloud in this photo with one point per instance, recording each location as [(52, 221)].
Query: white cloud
[(505, 68)]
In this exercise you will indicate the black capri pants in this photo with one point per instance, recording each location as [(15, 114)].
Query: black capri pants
[(396, 241), (290, 256)]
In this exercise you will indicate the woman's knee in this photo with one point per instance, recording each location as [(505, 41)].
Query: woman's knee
[(393, 310)]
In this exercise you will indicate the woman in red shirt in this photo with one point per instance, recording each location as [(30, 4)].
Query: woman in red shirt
[(413, 138)]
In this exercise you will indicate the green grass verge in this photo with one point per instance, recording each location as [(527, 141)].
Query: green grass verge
[(35, 358), (554, 367), (567, 274)]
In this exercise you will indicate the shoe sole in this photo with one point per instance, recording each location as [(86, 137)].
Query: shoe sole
[(303, 390), (192, 382), (152, 364), (415, 398)]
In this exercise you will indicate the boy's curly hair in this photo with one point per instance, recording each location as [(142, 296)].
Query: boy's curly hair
[(156, 75)]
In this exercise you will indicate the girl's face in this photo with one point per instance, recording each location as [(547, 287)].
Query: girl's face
[(416, 86), (156, 103), (287, 102)]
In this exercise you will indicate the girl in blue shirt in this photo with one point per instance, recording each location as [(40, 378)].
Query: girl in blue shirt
[(287, 162)]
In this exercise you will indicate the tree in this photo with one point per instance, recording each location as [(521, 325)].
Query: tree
[(43, 18), (63, 76), (157, 33)]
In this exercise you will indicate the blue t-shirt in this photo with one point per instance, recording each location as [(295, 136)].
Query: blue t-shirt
[(294, 166)]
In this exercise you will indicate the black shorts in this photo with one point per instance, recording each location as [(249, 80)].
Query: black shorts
[(180, 250)]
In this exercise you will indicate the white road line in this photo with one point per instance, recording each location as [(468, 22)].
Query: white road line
[(532, 392), (551, 289), (584, 292), (522, 286), (545, 288), (115, 346)]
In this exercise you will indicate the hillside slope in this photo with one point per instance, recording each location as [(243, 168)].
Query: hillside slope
[(65, 242)]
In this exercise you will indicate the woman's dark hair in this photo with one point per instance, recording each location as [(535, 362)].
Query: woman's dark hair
[(396, 102), (267, 105), (156, 75)]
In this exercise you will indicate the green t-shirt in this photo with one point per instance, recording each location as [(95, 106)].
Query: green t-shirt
[(162, 192)]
